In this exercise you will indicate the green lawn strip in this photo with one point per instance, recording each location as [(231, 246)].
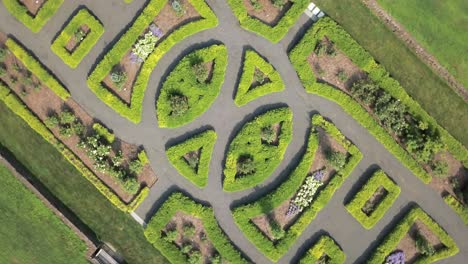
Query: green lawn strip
[(178, 202), (66, 183), (243, 214), (459, 208), (34, 23), (25, 238), (272, 33), (420, 82), (113, 57), (34, 66), (324, 246), (204, 142), (439, 27), (392, 239), (245, 93), (248, 143), (182, 82), (17, 106), (83, 17), (354, 207), (378, 74)]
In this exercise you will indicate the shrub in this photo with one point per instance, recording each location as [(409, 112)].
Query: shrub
[(189, 230), (3, 69), (131, 185), (179, 104), (256, 4), (325, 250), (186, 248), (306, 193), (276, 231), (423, 245), (104, 132), (268, 134), (440, 168), (278, 3), (119, 78), (336, 159), (3, 53), (171, 236), (460, 208), (342, 76), (195, 258), (200, 71), (216, 259), (177, 7), (145, 46), (136, 166)]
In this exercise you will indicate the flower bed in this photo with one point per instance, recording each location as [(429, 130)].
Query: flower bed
[(133, 110), (325, 250), (368, 190), (244, 214), (192, 157), (33, 22), (83, 41), (273, 33), (178, 203), (252, 157), (392, 239), (192, 86), (258, 78)]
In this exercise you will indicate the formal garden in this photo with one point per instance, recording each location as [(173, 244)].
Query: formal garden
[(194, 131)]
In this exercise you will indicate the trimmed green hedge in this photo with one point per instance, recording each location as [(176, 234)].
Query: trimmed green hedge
[(37, 68), (104, 132), (113, 57), (60, 43), (35, 23), (205, 142), (243, 214), (248, 142), (325, 245), (253, 61), (17, 106), (377, 73), (178, 202), (459, 208), (392, 239), (354, 207), (275, 33), (182, 81)]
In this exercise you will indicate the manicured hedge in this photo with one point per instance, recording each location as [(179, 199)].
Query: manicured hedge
[(377, 73), (177, 202), (37, 68), (17, 106), (354, 207), (253, 60), (35, 23), (113, 57), (182, 81), (325, 245), (60, 43), (275, 33), (459, 208), (204, 141), (104, 132), (266, 157), (392, 239), (243, 214)]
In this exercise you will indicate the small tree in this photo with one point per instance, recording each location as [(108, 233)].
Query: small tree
[(200, 72), (3, 53), (119, 78), (277, 232), (189, 230), (136, 166), (440, 169), (268, 134), (193, 160), (336, 159), (423, 245), (179, 104), (259, 76), (171, 235), (131, 185), (195, 258), (245, 165)]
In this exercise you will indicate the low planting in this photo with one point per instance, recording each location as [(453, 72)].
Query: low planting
[(258, 78), (272, 33), (192, 157), (251, 158), (104, 132), (34, 23), (356, 207), (187, 92), (460, 208), (84, 41), (324, 251), (424, 136), (177, 202), (243, 214), (125, 43), (391, 240)]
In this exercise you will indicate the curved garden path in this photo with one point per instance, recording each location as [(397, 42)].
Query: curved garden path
[(227, 119)]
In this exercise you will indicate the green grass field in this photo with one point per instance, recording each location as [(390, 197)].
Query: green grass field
[(30, 232), (66, 183), (440, 27), (430, 91)]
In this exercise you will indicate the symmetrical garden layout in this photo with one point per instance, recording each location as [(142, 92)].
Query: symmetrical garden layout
[(216, 174)]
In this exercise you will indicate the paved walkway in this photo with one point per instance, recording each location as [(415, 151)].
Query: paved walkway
[(227, 119)]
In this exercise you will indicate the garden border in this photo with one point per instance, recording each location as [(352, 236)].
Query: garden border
[(459, 208), (113, 56), (322, 246)]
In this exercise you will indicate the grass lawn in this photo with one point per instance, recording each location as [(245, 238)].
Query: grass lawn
[(66, 183), (30, 232), (430, 91), (440, 27)]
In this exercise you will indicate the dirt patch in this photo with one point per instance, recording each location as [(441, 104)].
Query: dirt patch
[(369, 206), (456, 171), (168, 20), (257, 82), (265, 11), (198, 240), (33, 6), (77, 39), (193, 159)]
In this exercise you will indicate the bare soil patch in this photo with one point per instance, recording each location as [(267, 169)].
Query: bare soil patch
[(191, 156), (267, 12), (456, 171), (33, 6), (370, 205), (74, 43), (256, 83)]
